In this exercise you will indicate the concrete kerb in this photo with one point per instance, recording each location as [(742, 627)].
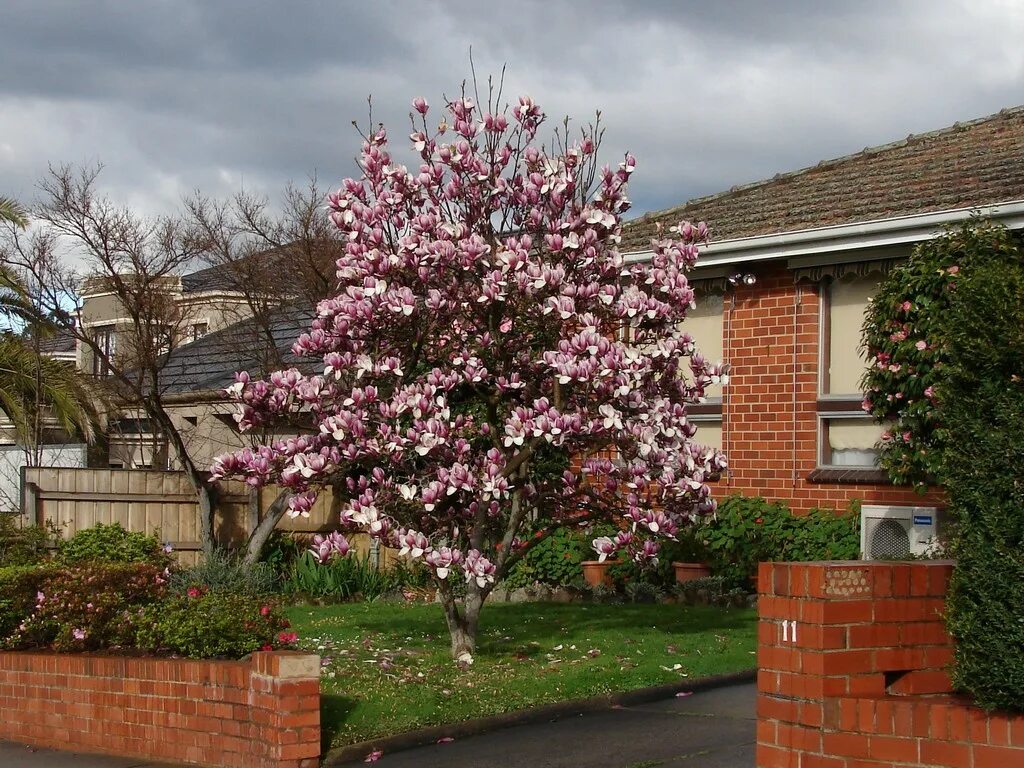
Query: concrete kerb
[(563, 709)]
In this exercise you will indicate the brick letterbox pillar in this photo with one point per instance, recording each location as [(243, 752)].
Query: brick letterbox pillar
[(834, 631)]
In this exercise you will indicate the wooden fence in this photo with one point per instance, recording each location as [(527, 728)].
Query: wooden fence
[(161, 502)]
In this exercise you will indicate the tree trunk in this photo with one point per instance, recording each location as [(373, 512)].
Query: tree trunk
[(262, 532), (462, 624)]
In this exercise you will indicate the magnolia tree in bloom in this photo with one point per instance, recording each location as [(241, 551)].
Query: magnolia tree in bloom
[(493, 368)]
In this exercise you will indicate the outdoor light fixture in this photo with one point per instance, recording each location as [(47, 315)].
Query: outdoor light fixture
[(747, 278)]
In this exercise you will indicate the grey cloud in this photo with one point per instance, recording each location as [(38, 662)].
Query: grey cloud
[(174, 96)]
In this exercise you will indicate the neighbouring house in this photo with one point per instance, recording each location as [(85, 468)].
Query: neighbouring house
[(782, 289), (215, 334)]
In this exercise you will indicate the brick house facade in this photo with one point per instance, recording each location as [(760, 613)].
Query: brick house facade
[(782, 289)]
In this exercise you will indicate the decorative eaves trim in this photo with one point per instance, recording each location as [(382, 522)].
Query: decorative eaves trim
[(847, 237)]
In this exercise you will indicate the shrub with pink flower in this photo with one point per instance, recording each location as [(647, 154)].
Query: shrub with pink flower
[(903, 334), (490, 358)]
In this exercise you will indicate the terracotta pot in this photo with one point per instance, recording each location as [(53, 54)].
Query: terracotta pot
[(595, 572), (691, 571)]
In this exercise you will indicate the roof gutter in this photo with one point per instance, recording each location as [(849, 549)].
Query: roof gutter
[(845, 237)]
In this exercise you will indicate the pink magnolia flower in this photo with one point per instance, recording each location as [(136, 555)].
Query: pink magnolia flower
[(921, 345), (478, 568), (330, 546), (604, 547)]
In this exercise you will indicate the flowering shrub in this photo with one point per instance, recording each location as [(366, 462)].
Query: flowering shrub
[(87, 607), (208, 625), (487, 329), (19, 586), (113, 544), (981, 402), (905, 340)]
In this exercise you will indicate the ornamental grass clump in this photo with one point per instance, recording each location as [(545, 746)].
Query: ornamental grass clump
[(486, 330)]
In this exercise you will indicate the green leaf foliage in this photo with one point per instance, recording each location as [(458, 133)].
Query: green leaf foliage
[(749, 530), (982, 407), (112, 544), (28, 545), (348, 578), (211, 625)]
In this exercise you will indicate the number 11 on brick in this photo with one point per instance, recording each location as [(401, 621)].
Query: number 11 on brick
[(789, 631)]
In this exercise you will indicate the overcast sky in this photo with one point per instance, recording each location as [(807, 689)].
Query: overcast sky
[(184, 94)]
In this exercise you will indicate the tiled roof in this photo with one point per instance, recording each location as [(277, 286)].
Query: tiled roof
[(61, 342), (210, 363), (966, 165), (226, 277)]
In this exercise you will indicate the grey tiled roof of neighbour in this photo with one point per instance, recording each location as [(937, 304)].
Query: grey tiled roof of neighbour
[(966, 165), (210, 363), (219, 277), (62, 342)]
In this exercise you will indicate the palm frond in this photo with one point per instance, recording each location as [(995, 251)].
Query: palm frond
[(13, 212), (15, 302), (28, 379)]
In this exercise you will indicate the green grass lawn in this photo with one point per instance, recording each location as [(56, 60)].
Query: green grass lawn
[(387, 667)]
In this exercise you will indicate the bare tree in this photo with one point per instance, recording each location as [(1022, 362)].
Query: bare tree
[(273, 262)]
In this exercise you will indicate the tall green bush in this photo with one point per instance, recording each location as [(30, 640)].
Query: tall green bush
[(981, 399), (26, 545), (112, 544)]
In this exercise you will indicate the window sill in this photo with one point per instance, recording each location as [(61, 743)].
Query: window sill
[(849, 475)]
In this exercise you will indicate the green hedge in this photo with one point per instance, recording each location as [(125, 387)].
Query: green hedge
[(982, 405)]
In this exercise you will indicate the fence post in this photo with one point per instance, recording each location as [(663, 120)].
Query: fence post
[(30, 510)]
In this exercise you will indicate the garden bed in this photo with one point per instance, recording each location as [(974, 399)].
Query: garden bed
[(387, 668)]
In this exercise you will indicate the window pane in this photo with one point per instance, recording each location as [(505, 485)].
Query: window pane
[(846, 364), (850, 442), (709, 432), (704, 324)]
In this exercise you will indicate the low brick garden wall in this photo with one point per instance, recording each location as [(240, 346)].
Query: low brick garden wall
[(852, 659), (261, 712)]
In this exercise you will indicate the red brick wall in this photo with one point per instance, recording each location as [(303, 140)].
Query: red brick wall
[(259, 713), (771, 341), (862, 683)]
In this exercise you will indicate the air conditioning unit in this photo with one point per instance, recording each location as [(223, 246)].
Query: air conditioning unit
[(891, 533)]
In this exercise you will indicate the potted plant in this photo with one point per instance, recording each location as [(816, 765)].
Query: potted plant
[(689, 557), (595, 572)]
